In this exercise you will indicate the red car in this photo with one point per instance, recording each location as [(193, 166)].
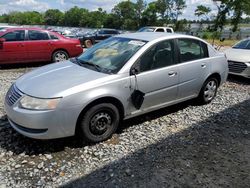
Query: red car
[(23, 45)]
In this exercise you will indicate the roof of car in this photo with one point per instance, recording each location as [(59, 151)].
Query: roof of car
[(24, 28), (150, 36)]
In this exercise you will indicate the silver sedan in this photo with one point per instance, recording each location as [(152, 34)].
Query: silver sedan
[(239, 58), (119, 78)]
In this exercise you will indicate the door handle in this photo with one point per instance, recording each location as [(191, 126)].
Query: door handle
[(203, 65), (21, 45), (172, 73)]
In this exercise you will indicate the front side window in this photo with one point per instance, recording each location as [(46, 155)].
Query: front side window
[(159, 56), (53, 36), (18, 35), (110, 55), (38, 35), (191, 49)]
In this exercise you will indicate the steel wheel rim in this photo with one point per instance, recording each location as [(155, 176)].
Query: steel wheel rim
[(210, 90), (60, 56), (100, 123)]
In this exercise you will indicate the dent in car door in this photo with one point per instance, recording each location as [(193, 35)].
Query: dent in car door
[(194, 66), (14, 48), (158, 77)]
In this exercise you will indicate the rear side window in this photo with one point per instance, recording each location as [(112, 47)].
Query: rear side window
[(169, 31), (159, 30), (191, 49), (53, 37), (38, 35), (18, 35)]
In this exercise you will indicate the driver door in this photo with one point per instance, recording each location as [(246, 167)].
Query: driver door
[(158, 75), (13, 50)]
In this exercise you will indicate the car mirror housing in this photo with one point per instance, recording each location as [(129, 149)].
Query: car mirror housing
[(2, 40)]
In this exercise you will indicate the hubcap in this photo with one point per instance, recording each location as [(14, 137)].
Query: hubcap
[(100, 123), (60, 57), (210, 90)]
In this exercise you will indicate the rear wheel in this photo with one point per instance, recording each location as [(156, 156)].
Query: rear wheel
[(99, 122), (59, 55), (208, 91), (88, 43)]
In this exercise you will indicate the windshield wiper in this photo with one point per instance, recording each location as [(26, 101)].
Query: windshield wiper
[(81, 62)]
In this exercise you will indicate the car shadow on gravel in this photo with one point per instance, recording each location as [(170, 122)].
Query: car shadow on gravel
[(238, 80), (212, 153), (22, 65), (17, 143)]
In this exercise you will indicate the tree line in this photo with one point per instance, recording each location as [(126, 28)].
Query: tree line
[(133, 15)]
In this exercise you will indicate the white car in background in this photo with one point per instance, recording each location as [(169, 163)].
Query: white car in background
[(4, 27), (156, 29), (239, 58)]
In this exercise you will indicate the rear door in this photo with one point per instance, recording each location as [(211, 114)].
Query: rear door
[(158, 75), (13, 49), (194, 66), (39, 46)]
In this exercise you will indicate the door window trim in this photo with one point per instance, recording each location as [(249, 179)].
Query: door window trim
[(175, 58)]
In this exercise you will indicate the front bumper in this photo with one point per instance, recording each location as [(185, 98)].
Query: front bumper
[(239, 68), (47, 124)]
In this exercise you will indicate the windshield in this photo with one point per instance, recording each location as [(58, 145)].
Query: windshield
[(110, 55), (245, 44), (146, 29)]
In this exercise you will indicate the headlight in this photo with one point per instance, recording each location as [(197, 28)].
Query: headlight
[(32, 103)]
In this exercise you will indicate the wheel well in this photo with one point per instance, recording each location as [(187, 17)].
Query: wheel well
[(60, 49), (217, 76), (111, 100)]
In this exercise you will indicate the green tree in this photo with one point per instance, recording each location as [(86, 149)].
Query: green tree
[(235, 8), (53, 17), (149, 16), (126, 11), (74, 15), (139, 8), (202, 11)]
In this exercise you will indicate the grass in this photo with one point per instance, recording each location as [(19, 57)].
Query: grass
[(227, 42)]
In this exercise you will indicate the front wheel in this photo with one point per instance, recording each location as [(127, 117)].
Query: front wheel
[(208, 91), (99, 122), (59, 56)]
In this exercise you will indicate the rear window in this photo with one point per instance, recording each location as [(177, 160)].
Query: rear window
[(191, 49)]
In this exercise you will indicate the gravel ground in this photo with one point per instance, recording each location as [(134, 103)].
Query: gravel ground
[(180, 146)]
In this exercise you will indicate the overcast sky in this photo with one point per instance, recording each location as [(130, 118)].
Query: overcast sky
[(63, 5)]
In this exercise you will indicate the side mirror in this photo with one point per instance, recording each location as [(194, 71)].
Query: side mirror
[(222, 39), (134, 71), (2, 40)]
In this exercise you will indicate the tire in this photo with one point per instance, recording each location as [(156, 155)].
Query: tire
[(88, 43), (59, 55), (208, 91), (99, 122)]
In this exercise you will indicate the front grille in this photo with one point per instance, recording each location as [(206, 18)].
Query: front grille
[(236, 67), (13, 95)]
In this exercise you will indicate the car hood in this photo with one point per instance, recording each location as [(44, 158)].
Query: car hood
[(54, 80), (239, 55)]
